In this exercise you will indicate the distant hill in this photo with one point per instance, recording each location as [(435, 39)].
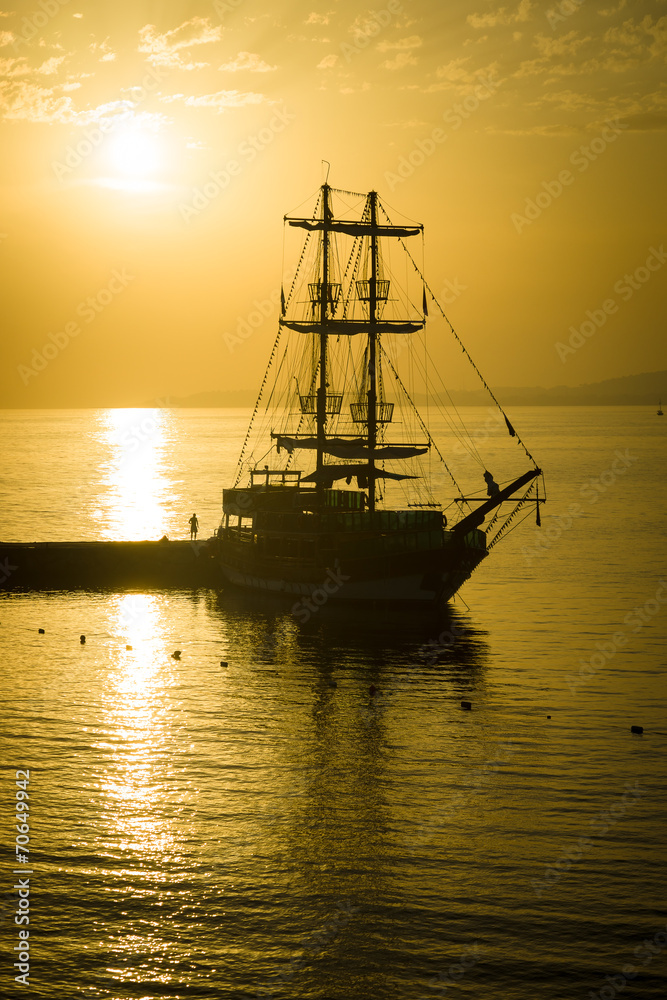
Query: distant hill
[(629, 390)]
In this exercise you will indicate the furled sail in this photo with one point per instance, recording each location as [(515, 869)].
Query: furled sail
[(348, 328), (355, 228), (329, 473), (356, 448)]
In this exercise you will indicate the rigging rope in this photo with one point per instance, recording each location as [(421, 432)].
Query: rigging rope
[(421, 422), (510, 429), (521, 503), (254, 412)]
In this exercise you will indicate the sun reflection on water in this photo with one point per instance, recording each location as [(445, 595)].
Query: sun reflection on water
[(136, 487), (136, 783)]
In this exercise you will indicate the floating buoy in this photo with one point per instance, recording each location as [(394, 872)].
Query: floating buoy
[(548, 716), (223, 663), (637, 729), (82, 639), (176, 655), (466, 704), (128, 647), (333, 684), (372, 689), (41, 631)]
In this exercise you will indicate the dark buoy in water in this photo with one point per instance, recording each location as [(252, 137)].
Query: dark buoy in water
[(466, 704), (176, 655), (637, 729), (82, 639), (333, 684), (548, 716), (223, 663), (372, 689), (41, 631)]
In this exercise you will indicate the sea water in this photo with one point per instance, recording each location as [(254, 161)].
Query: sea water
[(248, 820)]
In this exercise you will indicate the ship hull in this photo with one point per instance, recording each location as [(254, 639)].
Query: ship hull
[(424, 577)]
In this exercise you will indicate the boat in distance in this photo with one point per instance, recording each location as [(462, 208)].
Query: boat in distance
[(340, 505)]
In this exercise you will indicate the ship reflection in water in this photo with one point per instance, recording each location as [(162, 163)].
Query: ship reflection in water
[(325, 695)]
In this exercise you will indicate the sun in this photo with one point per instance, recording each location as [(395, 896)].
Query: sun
[(135, 152)]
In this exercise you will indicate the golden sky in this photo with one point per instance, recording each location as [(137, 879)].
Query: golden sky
[(150, 151)]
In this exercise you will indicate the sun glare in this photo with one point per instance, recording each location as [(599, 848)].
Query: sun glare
[(135, 152)]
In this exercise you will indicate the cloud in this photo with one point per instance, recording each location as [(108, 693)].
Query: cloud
[(164, 49), (401, 59), (6, 38), (502, 16), (560, 45), (19, 67), (621, 48), (610, 11), (455, 74), (319, 18), (21, 100), (107, 54), (248, 61), (635, 37), (328, 62), (413, 42), (644, 113), (220, 101)]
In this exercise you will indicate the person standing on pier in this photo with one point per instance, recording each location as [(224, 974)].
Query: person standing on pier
[(194, 527)]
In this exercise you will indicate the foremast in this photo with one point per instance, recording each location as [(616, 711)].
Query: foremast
[(372, 349), (321, 407)]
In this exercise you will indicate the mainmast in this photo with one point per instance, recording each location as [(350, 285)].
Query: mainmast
[(372, 343), (321, 408)]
